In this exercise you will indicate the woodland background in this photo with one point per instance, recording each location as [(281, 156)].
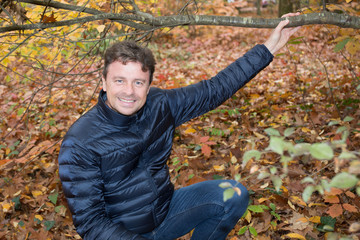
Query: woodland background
[(292, 135)]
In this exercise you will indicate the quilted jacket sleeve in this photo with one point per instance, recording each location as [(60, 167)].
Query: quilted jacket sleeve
[(197, 99), (82, 185)]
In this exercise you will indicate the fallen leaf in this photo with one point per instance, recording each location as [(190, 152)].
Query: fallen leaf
[(295, 236), (350, 208), (335, 210)]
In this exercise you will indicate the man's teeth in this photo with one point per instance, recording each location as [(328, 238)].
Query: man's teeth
[(128, 101)]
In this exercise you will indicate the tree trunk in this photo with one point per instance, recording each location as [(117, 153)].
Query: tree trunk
[(258, 7), (285, 6)]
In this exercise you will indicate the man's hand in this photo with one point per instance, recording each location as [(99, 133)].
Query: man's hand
[(280, 36)]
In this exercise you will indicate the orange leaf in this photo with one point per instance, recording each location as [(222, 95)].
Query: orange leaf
[(335, 210), (211, 143), (334, 191), (349, 207), (206, 150), (331, 199), (350, 194), (47, 19), (237, 190), (204, 139)]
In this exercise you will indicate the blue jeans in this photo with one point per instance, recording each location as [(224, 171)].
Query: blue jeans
[(201, 207)]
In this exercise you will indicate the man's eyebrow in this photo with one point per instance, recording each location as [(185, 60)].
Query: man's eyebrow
[(118, 76)]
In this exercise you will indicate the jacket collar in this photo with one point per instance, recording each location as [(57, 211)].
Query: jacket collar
[(113, 116)]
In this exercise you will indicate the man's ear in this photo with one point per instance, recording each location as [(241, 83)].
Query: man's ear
[(103, 83)]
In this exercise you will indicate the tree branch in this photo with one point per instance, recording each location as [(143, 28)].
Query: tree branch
[(83, 9), (341, 20)]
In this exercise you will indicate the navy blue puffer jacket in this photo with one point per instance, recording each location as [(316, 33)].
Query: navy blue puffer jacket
[(113, 167)]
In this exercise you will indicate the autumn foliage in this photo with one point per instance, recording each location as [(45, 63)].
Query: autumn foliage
[(291, 135)]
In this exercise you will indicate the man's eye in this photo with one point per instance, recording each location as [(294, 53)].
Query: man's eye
[(119, 81), (139, 83)]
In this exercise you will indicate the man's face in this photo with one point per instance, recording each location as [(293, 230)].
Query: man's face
[(126, 87)]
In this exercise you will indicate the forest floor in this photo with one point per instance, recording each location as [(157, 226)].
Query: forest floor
[(308, 86)]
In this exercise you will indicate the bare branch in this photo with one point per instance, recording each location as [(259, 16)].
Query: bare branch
[(341, 20), (82, 9)]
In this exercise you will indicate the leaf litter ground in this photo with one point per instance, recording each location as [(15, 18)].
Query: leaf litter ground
[(292, 92)]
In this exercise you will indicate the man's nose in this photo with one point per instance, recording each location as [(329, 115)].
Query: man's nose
[(129, 89)]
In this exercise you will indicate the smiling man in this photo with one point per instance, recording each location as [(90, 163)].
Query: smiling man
[(112, 162), (127, 87)]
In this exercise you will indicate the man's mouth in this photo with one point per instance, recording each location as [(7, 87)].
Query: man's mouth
[(126, 100)]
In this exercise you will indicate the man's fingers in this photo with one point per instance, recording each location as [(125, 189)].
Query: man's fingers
[(281, 25)]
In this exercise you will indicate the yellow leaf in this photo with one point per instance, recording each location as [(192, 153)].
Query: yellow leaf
[(261, 200), (36, 193), (284, 189), (248, 216), (297, 200), (254, 96), (233, 160), (260, 136), (291, 205), (190, 130), (348, 1), (305, 129), (219, 168), (353, 46), (295, 235), (303, 219), (315, 219), (6, 207), (39, 217), (101, 28)]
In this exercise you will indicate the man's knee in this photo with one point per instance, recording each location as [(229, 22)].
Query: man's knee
[(240, 200)]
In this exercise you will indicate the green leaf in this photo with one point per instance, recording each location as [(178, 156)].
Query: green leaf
[(263, 175), (242, 230), (275, 215), (16, 200), (49, 224), (59, 208), (347, 155), (340, 45), (334, 122), (301, 149), (341, 129), (276, 145), (228, 193), (253, 231), (20, 111), (53, 197), (321, 151), (325, 185), (289, 131), (348, 119), (344, 180), (327, 220), (277, 182), (257, 208), (308, 191), (308, 180), (251, 154), (272, 206), (272, 132)]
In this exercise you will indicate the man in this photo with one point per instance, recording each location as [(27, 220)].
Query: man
[(112, 162)]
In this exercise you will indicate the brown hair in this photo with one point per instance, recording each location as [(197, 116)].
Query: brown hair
[(129, 51)]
